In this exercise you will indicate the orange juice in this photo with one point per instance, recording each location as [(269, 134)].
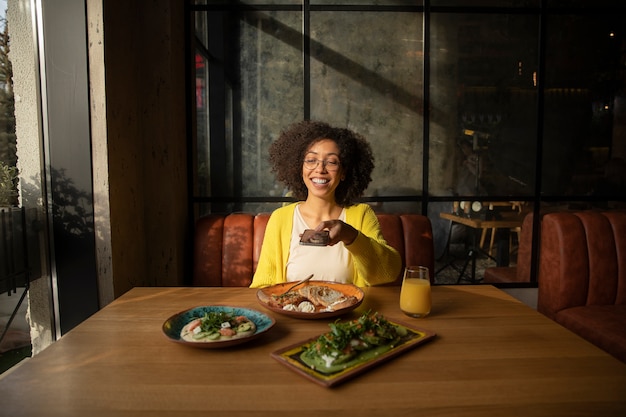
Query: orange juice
[(415, 297)]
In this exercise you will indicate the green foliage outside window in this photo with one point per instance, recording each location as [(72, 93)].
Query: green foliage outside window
[(8, 139), (8, 183)]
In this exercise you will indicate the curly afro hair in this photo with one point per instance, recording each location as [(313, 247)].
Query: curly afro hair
[(357, 160)]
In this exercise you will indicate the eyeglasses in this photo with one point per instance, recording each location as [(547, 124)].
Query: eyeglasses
[(314, 163)]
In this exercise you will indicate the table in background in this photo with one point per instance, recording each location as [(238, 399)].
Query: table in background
[(492, 355), (511, 221)]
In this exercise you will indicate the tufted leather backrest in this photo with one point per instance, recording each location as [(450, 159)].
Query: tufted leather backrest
[(227, 247), (582, 260)]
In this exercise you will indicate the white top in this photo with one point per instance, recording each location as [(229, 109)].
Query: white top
[(328, 263)]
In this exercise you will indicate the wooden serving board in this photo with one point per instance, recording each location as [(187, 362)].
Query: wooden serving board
[(290, 357)]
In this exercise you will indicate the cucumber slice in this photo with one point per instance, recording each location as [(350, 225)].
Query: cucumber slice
[(402, 331), (244, 327), (206, 335)]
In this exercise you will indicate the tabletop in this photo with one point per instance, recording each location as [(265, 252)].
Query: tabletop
[(511, 221), (491, 355)]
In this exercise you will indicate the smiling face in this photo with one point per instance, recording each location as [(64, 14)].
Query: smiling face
[(322, 181)]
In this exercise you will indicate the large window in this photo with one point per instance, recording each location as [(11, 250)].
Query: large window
[(483, 104), (494, 102), (367, 73), (584, 125)]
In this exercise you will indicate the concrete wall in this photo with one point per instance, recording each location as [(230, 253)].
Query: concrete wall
[(136, 83), (139, 142)]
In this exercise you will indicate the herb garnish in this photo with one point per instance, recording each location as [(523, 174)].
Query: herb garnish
[(346, 340), (213, 321)]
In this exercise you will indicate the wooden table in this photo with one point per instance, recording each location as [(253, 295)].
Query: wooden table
[(492, 356), (513, 220)]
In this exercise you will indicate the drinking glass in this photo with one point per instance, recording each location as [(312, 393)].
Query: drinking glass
[(415, 300)]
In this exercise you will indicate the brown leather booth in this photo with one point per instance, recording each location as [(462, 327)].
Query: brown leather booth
[(582, 276), (227, 247)]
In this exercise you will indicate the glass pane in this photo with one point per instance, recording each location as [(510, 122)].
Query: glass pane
[(254, 207), (203, 149), (260, 207), (373, 84), (585, 119), (271, 95), (483, 104), (487, 3), (246, 2), (584, 3), (368, 2), (200, 26), (506, 242), (316, 2)]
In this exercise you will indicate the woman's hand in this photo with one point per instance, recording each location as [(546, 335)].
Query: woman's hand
[(338, 231)]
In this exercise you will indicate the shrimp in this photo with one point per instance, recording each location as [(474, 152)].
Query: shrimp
[(193, 325), (227, 331)]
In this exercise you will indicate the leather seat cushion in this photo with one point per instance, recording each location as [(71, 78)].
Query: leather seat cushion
[(602, 325)]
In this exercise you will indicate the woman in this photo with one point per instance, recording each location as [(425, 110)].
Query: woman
[(326, 169)]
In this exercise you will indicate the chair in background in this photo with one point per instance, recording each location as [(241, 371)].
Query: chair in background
[(445, 234), (521, 271), (516, 206)]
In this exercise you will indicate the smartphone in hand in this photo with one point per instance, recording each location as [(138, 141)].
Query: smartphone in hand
[(314, 238)]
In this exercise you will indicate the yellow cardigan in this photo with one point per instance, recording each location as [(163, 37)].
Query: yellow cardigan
[(375, 262)]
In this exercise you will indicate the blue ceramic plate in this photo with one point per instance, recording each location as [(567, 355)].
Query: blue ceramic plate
[(175, 324)]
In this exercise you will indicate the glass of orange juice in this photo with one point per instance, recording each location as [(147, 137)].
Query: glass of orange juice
[(415, 298)]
